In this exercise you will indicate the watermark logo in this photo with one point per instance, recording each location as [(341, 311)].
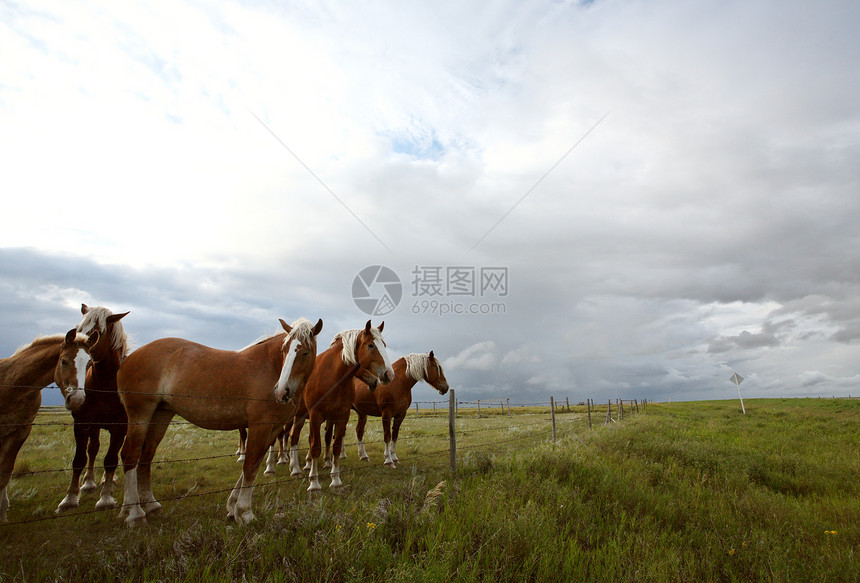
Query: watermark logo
[(377, 290), (436, 290)]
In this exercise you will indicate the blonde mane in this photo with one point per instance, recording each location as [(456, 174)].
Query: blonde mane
[(39, 340), (349, 338), (417, 365), (302, 330), (96, 319)]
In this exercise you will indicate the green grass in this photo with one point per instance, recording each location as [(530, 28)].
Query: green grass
[(683, 492)]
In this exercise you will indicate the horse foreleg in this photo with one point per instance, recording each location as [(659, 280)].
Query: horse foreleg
[(359, 436), (314, 450), (386, 431), (260, 439), (395, 432), (154, 434), (295, 433), (9, 448), (271, 460), (282, 447), (71, 499), (106, 500), (329, 427), (340, 430), (88, 482), (243, 437)]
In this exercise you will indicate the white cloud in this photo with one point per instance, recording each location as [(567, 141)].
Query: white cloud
[(708, 222)]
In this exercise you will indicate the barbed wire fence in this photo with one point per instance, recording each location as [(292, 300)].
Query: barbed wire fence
[(459, 414)]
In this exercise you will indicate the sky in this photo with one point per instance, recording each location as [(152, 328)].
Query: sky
[(605, 199)]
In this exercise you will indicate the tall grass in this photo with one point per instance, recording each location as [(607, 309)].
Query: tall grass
[(683, 492)]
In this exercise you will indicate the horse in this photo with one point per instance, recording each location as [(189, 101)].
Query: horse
[(101, 409), (257, 387), (328, 396), (392, 401), (59, 359)]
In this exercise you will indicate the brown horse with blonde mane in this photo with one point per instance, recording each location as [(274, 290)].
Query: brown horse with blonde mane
[(257, 387), (59, 359), (100, 410), (328, 396), (392, 401)]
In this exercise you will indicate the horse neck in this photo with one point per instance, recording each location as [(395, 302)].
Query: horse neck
[(403, 381), (33, 368), (104, 371), (331, 362)]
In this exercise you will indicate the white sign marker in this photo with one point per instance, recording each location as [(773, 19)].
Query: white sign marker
[(738, 379)]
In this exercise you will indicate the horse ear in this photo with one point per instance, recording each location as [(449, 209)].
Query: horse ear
[(318, 328), (93, 338), (70, 335), (84, 309), (381, 326), (285, 326), (431, 356), (367, 327), (116, 317)]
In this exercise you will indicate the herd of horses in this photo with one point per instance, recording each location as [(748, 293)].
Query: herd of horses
[(266, 391)]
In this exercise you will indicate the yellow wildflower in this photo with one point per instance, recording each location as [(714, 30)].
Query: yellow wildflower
[(731, 552), (371, 525)]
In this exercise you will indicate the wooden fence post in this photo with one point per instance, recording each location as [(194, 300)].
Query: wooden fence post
[(588, 405), (620, 409), (434, 408), (479, 408), (609, 411), (452, 436), (567, 403), (552, 412)]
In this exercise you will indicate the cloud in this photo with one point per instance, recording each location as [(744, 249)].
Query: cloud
[(203, 166)]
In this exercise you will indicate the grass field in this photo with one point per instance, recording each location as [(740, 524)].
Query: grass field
[(682, 492)]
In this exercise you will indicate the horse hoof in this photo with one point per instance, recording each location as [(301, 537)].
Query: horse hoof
[(364, 458), (241, 458), (104, 503), (136, 517), (153, 507), (269, 472), (88, 486), (67, 504), (283, 462), (314, 487)]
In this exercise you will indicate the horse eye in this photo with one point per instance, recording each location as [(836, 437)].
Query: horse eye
[(64, 362)]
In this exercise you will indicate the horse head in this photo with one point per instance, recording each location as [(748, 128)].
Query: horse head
[(300, 351), (108, 325), (71, 370), (435, 376), (372, 358)]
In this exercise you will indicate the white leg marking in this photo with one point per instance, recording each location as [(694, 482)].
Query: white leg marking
[(131, 499), (314, 476), (362, 453), (335, 473), (270, 462), (295, 468), (234, 497), (107, 500)]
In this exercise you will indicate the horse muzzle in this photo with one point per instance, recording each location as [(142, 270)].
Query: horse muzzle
[(75, 399)]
